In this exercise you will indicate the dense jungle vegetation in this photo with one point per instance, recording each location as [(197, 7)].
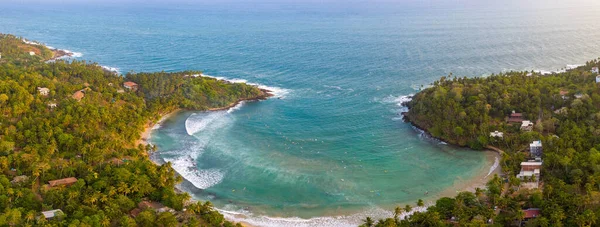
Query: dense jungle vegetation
[(54, 136), (565, 110)]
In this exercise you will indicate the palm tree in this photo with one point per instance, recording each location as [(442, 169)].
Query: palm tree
[(105, 222), (520, 215), (420, 203), (368, 222), (30, 216), (397, 213), (478, 192), (407, 208)]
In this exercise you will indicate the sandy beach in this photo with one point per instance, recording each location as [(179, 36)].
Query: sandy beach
[(145, 136), (483, 175), (478, 181)]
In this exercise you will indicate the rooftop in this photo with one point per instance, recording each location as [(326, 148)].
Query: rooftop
[(532, 212), (564, 92), (78, 95), (516, 115), (537, 143), (64, 181), (52, 213), (531, 163), (129, 84)]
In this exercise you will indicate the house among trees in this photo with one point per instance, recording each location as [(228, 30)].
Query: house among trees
[(563, 94), (562, 110), (31, 53), (527, 126), (130, 85), (598, 79), (52, 213), (535, 149), (515, 117), (78, 95), (530, 173), (19, 179), (43, 91), (52, 105), (497, 134), (65, 181), (595, 70), (531, 213)]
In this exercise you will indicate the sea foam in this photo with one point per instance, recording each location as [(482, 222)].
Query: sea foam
[(276, 91), (111, 69), (342, 220), (200, 178), (493, 167), (71, 53)]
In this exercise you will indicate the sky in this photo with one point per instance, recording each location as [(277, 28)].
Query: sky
[(353, 5)]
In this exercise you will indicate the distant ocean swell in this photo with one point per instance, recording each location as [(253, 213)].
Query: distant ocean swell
[(71, 55)]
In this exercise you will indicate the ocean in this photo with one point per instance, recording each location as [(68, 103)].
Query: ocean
[(330, 147)]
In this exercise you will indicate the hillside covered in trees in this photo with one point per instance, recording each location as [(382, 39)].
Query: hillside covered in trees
[(494, 112), (74, 121)]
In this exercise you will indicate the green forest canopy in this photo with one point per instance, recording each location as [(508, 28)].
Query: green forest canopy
[(94, 140), (565, 109)]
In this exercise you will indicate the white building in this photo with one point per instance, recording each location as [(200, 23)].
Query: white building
[(31, 53), (526, 125), (497, 134), (595, 70), (598, 79), (52, 213), (535, 148), (44, 91), (529, 169), (52, 105)]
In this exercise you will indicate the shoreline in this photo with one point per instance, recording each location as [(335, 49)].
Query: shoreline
[(145, 135), (59, 53), (354, 217), (154, 157), (470, 184), (348, 218)]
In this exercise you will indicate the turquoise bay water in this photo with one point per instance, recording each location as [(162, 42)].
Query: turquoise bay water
[(331, 143)]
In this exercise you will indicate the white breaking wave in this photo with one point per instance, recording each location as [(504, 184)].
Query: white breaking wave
[(418, 87), (398, 100), (343, 220), (32, 42), (236, 107), (276, 91), (493, 167), (200, 178), (203, 126), (71, 53), (111, 69), (549, 72), (195, 124), (339, 88)]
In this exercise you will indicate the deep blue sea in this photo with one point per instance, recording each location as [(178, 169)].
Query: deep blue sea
[(330, 147)]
